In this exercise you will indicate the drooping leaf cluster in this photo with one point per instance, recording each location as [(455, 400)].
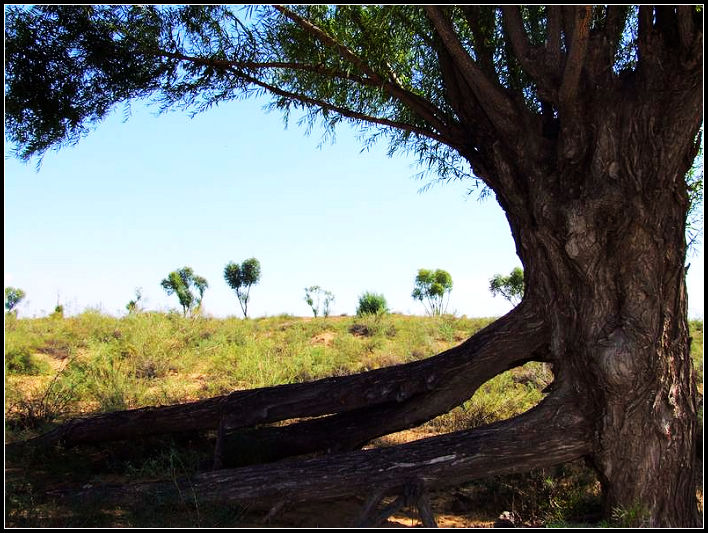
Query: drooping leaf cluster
[(443, 82), (66, 68)]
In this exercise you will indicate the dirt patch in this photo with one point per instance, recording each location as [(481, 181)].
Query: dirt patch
[(345, 513), (326, 338)]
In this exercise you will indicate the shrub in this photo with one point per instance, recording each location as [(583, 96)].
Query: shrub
[(371, 304), (39, 409), (19, 360)]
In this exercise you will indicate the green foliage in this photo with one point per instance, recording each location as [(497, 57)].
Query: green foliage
[(319, 300), (371, 303), (510, 287), (13, 297), (181, 282), (376, 64), (155, 358), (506, 395), (635, 516), (98, 56), (548, 497), (37, 410), (19, 360), (431, 288), (241, 278), (133, 305)]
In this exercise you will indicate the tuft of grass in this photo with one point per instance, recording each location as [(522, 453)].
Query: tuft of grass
[(40, 407), (19, 360), (506, 395)]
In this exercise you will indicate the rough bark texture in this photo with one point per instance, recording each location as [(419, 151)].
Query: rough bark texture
[(376, 403), (551, 433), (603, 246)]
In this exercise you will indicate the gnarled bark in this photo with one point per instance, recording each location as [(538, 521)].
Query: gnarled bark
[(385, 400), (552, 432)]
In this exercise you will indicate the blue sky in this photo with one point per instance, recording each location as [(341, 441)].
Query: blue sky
[(137, 199)]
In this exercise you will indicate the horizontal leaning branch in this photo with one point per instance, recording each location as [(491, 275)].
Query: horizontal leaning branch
[(550, 433), (503, 344), (350, 430)]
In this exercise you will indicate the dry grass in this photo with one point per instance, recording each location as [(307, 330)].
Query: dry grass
[(94, 363)]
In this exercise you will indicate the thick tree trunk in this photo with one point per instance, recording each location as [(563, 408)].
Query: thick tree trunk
[(603, 248)]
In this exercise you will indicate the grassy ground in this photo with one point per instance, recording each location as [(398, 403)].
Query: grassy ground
[(56, 368)]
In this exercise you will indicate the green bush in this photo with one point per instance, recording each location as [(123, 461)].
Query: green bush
[(371, 304), (19, 360)]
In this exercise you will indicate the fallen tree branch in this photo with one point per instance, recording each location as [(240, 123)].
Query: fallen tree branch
[(551, 433), (352, 429), (501, 345)]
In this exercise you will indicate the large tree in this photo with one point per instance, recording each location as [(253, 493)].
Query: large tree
[(582, 120)]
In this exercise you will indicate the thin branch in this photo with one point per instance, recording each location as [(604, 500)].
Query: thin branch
[(568, 24), (348, 113), (327, 39), (484, 52), (614, 26), (514, 28), (235, 67), (553, 42), (686, 26), (423, 108), (645, 23), (228, 64)]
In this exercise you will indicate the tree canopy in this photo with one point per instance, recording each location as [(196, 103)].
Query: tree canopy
[(431, 288), (319, 300), (181, 282), (401, 71), (511, 287), (241, 278), (13, 297)]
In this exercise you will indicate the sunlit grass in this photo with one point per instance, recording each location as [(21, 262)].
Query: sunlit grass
[(60, 368)]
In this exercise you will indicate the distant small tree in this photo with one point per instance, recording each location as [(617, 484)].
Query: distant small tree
[(431, 288), (371, 304), (510, 287), (132, 306), (13, 297), (241, 278), (316, 296), (181, 282)]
